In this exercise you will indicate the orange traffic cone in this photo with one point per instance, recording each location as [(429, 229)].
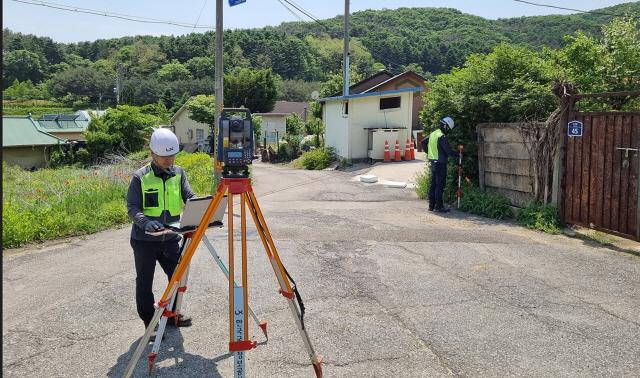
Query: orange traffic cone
[(413, 150), (397, 157), (407, 151), (387, 155)]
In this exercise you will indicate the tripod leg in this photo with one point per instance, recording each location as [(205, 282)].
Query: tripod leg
[(160, 333), (174, 282), (216, 257), (285, 287), (145, 338)]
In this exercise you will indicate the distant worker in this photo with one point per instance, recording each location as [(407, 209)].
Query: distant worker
[(156, 196), (438, 150)]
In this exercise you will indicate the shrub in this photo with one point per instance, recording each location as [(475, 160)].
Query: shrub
[(318, 159), (540, 217), (423, 180), (486, 203), (199, 169)]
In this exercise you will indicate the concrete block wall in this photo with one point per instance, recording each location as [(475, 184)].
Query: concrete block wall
[(504, 163)]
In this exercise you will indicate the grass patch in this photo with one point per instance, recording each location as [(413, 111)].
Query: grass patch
[(423, 180), (36, 107), (54, 203), (486, 203), (537, 216)]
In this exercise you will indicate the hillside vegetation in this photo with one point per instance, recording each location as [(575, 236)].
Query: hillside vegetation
[(300, 55)]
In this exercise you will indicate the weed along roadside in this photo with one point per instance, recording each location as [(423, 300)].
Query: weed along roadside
[(56, 203)]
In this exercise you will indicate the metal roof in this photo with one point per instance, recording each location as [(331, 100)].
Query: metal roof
[(369, 94), (62, 123), (24, 131)]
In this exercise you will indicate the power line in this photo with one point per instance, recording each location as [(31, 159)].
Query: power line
[(290, 10), (121, 16), (199, 15), (571, 9), (307, 14)]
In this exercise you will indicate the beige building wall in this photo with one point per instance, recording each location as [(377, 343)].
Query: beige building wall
[(271, 124), (186, 129), (68, 135), (26, 157), (336, 127), (364, 112)]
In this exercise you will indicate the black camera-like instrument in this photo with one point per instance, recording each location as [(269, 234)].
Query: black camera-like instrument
[(235, 142)]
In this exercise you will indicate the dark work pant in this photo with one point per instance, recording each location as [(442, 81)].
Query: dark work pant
[(146, 253), (438, 179)]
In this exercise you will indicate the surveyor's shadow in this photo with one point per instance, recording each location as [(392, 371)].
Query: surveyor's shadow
[(172, 360)]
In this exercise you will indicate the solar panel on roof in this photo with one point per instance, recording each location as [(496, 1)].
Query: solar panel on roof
[(48, 117), (67, 117)]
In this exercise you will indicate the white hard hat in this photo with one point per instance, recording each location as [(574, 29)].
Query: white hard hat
[(447, 121), (164, 143)]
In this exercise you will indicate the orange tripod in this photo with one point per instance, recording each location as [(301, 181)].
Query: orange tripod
[(239, 341)]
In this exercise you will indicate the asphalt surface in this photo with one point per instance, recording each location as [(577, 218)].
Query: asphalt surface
[(390, 289)]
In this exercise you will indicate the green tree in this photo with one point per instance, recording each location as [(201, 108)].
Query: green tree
[(25, 91), (294, 124), (22, 65), (253, 89), (82, 81), (173, 71), (202, 108), (315, 127), (201, 66), (256, 121), (607, 64), (123, 129), (511, 84), (333, 85)]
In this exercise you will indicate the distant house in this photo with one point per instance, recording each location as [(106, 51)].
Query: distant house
[(381, 107), (189, 132), (25, 144), (86, 115), (64, 126), (274, 123)]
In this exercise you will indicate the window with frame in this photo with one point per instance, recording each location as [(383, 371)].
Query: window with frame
[(199, 135), (390, 103)]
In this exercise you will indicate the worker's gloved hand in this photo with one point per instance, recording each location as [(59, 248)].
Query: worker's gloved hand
[(153, 226)]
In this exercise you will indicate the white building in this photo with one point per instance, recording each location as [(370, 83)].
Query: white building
[(189, 132), (274, 123), (385, 107)]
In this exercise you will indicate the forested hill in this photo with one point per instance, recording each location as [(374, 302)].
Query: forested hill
[(439, 38), (428, 40)]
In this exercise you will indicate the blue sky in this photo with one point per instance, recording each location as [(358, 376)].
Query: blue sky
[(64, 26)]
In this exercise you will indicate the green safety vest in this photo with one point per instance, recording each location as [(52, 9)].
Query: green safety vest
[(432, 151), (159, 195)]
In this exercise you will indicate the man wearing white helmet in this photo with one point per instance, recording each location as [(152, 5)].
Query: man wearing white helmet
[(156, 196), (438, 150)]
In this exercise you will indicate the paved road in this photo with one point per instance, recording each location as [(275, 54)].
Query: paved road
[(390, 289)]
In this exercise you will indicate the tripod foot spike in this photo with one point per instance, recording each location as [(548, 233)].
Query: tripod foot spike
[(151, 361), (263, 326), (317, 366)]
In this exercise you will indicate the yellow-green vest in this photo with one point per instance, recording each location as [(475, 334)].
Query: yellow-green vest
[(432, 152), (159, 195)]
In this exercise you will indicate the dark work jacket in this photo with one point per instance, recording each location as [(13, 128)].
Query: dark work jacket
[(134, 202)]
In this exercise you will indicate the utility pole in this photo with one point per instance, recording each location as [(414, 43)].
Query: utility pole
[(219, 84), (345, 54), (118, 88)]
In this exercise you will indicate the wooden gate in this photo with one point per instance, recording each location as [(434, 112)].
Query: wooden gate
[(602, 169)]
